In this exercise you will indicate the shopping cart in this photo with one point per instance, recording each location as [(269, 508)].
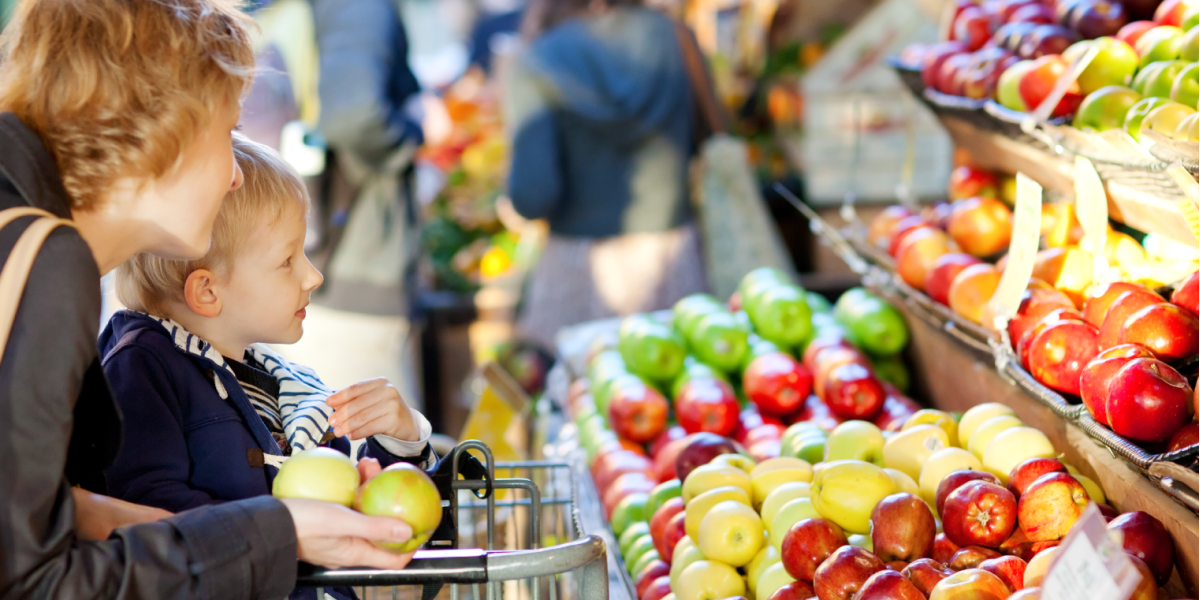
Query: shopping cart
[(506, 540)]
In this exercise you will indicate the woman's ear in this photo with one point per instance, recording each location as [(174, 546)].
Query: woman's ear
[(201, 294)]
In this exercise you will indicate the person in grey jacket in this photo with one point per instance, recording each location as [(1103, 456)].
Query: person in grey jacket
[(129, 142)]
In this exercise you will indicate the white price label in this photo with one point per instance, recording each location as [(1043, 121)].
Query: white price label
[(1091, 208), (1022, 251), (1090, 564)]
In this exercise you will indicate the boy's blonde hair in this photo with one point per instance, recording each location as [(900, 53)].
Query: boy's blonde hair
[(270, 188), (119, 88)]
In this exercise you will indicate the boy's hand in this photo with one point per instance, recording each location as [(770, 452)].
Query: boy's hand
[(369, 408)]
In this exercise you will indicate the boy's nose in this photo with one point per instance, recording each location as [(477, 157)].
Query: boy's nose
[(314, 278)]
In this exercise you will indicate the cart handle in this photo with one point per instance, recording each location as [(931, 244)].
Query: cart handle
[(479, 566)]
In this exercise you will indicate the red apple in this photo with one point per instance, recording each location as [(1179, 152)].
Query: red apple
[(1148, 400), (672, 433), (1043, 41), (822, 342), (883, 225), (1057, 315), (1147, 588), (664, 460), (918, 252), (945, 268), (936, 214), (1186, 437), (637, 413), (952, 77), (1035, 304), (902, 528), (905, 227), (1010, 570), (943, 548), (816, 411), (1098, 19), (609, 467), (699, 450), (1147, 539), (1058, 354), (832, 358), (1170, 12), (629, 483), (658, 524), (1100, 298), (935, 56), (967, 181), (1036, 14), (1028, 471), (1006, 8), (981, 226), (776, 383), (1037, 83), (646, 577), (897, 408), (852, 391), (762, 433), (1095, 377), (974, 27), (673, 531), (1134, 30), (889, 585), (1187, 295), (979, 513), (807, 544), (751, 418), (925, 573), (970, 557), (765, 449), (657, 589), (1122, 307), (707, 405), (844, 573), (796, 590), (956, 479), (1050, 506), (1169, 331)]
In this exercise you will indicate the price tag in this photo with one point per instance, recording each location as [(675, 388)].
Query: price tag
[(1022, 251), (1091, 208), (1090, 564)]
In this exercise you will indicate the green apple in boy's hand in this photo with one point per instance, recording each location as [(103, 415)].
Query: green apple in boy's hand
[(318, 474), (406, 493), (372, 407)]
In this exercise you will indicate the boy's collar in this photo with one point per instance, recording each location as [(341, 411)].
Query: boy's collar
[(188, 342)]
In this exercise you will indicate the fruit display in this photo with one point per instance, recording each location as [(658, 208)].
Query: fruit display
[(1143, 75)]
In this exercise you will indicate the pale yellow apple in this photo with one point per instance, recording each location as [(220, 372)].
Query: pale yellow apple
[(1038, 566), (855, 440), (907, 450), (791, 513), (670, 596), (780, 496), (710, 476), (690, 555), (862, 541), (973, 584), (987, 430), (933, 416), (772, 578), (682, 545), (708, 580), (1092, 488), (903, 482), (765, 483), (847, 491), (318, 474), (765, 558), (742, 462), (731, 532), (941, 464), (975, 416), (700, 505), (782, 462), (1013, 446)]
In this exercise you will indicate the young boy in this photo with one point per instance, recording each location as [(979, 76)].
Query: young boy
[(211, 412)]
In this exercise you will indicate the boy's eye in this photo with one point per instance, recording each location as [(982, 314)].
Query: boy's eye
[(288, 262)]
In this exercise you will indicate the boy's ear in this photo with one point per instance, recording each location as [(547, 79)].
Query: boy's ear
[(200, 293)]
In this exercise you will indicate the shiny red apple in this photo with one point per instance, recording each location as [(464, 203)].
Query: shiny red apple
[(852, 391), (1187, 294), (1171, 332), (796, 590), (925, 573), (1146, 538), (889, 585), (707, 405), (637, 413), (1122, 307), (970, 557), (1095, 377), (1148, 400), (644, 578), (1025, 342), (979, 513), (1058, 354), (943, 548), (1035, 304), (945, 268), (807, 544), (658, 525), (1028, 471), (776, 383), (902, 528), (1010, 570), (700, 449), (1050, 506), (1186, 437), (844, 573), (956, 479)]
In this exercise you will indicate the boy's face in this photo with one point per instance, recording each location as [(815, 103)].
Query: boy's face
[(264, 298)]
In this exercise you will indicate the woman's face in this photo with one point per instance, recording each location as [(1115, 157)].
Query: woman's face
[(181, 208)]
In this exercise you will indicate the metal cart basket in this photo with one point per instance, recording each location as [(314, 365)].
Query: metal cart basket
[(516, 537)]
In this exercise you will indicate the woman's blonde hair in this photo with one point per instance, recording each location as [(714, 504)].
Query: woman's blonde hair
[(119, 88), (270, 189)]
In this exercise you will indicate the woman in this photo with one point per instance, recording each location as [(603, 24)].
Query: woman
[(117, 115), (601, 116)]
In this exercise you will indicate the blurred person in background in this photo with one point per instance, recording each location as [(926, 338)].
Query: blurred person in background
[(601, 118)]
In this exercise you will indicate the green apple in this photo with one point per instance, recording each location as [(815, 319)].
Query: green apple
[(404, 492), (855, 440), (605, 366), (688, 311), (876, 326), (631, 509), (847, 491), (650, 349), (631, 535), (808, 446), (639, 547), (1191, 17), (686, 553), (1008, 92), (318, 474), (660, 494), (1190, 50), (603, 392), (893, 370), (1105, 108), (719, 340), (643, 562), (759, 276), (795, 429), (694, 369), (1160, 84), (1186, 88), (708, 580), (732, 533), (817, 303), (772, 578), (1137, 113), (789, 514), (1115, 63), (1146, 75), (781, 315), (765, 558), (1161, 43)]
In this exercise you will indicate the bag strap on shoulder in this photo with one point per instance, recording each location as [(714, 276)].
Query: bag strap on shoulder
[(712, 115), (16, 269)]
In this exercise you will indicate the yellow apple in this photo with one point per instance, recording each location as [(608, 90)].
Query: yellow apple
[(791, 513), (987, 430), (780, 496), (907, 450), (683, 544), (862, 541), (782, 462), (744, 463), (707, 477), (318, 474), (975, 416), (731, 532), (941, 464), (700, 505), (846, 493), (690, 554), (772, 578), (1013, 446), (765, 558), (708, 580), (903, 482), (932, 416), (1092, 488), (855, 440), (765, 483)]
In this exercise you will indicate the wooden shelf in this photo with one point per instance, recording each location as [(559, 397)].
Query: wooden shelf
[(1138, 209)]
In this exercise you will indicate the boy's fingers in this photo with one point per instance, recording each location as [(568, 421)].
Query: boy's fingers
[(358, 420), (350, 393), (367, 401)]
